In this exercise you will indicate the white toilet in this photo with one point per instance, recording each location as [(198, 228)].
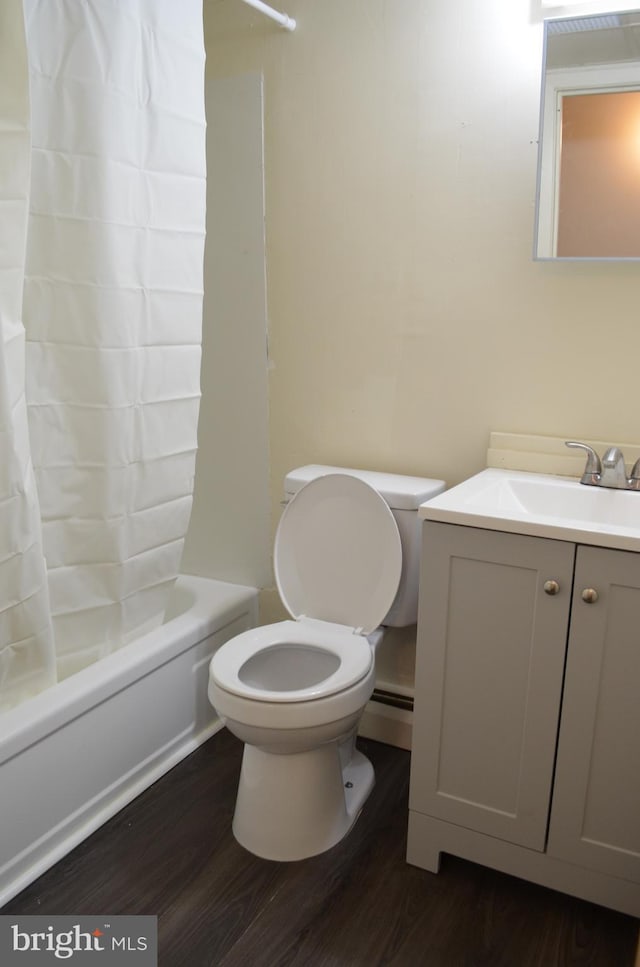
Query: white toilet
[(346, 560)]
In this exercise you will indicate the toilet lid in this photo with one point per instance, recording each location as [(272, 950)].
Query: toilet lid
[(337, 553)]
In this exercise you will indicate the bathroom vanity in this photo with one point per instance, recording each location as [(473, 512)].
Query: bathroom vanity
[(526, 736)]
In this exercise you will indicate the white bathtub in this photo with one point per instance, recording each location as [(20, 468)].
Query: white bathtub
[(73, 756)]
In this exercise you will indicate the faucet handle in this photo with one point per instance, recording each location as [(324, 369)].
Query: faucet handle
[(593, 468), (612, 457), (634, 480)]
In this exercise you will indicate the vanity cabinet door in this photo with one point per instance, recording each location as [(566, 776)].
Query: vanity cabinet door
[(489, 666), (595, 817)]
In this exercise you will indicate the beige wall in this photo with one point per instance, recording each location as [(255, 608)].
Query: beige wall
[(406, 315)]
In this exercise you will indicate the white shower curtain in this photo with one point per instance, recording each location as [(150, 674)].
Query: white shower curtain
[(102, 205)]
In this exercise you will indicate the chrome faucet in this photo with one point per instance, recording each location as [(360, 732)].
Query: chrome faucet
[(613, 473), (610, 471)]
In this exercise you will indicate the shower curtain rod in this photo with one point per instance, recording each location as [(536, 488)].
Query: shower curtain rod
[(287, 22)]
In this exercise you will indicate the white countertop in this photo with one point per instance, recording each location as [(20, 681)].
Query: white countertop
[(541, 505)]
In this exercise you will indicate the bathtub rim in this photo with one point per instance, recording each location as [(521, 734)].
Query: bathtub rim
[(214, 605)]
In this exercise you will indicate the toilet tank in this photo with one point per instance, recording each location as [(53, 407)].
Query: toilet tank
[(404, 495)]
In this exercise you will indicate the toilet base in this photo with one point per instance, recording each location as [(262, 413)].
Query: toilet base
[(293, 806)]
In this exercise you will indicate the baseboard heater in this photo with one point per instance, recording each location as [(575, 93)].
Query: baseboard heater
[(393, 699)]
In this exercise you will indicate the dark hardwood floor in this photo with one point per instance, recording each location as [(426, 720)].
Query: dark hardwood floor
[(171, 853)]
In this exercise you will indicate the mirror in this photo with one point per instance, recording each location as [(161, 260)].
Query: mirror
[(588, 197)]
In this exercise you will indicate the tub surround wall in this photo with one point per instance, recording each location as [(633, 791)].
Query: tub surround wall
[(73, 756), (229, 537)]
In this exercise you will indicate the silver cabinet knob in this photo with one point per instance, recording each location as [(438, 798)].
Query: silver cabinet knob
[(589, 595), (551, 587)]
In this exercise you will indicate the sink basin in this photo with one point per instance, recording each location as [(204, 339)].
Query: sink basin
[(541, 505)]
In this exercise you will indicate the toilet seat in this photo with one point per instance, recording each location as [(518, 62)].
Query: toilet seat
[(337, 553), (337, 561), (352, 651)]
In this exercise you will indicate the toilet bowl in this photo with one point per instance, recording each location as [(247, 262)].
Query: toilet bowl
[(294, 691), (301, 784), (291, 676)]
